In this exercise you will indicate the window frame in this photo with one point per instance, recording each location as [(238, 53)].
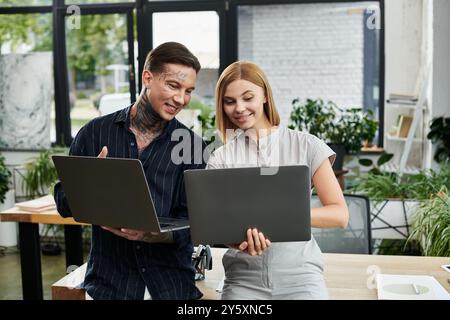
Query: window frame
[(228, 35)]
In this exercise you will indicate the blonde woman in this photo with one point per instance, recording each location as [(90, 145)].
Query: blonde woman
[(248, 122)]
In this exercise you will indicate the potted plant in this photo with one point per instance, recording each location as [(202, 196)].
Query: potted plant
[(344, 130), (440, 136), (39, 180), (431, 225), (41, 174), (314, 116), (395, 198), (317, 118), (354, 128)]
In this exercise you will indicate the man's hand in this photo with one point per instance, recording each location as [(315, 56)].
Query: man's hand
[(103, 153), (134, 235), (138, 235), (255, 245)]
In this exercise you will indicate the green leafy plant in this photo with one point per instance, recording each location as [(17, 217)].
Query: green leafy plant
[(386, 157), (207, 118), (428, 183), (5, 175), (440, 136), (431, 225), (348, 127), (208, 127), (40, 177), (380, 186), (314, 116), (353, 129), (41, 173)]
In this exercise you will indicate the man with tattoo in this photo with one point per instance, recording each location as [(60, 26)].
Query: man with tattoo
[(133, 264)]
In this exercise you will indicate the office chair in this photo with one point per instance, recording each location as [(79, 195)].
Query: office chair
[(356, 238)]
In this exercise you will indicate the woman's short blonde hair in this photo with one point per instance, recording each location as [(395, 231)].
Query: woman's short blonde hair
[(249, 71)]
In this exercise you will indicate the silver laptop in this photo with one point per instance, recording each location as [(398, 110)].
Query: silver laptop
[(111, 192), (224, 203)]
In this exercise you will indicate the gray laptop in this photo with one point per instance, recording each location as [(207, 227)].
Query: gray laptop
[(111, 192), (224, 203)]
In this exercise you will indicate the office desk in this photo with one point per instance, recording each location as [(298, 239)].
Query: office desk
[(29, 243), (347, 276)]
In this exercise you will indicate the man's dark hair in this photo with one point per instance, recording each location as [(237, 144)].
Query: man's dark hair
[(170, 52)]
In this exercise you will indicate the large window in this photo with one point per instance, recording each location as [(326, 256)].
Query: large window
[(199, 32), (329, 50), (98, 64), (23, 3)]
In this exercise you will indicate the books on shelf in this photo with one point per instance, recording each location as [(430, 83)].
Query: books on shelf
[(403, 126), (402, 99), (409, 287), (38, 205)]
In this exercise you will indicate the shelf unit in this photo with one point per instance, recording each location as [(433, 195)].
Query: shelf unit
[(395, 168), (394, 138), (418, 107)]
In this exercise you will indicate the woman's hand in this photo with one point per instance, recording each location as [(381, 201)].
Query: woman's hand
[(255, 245)]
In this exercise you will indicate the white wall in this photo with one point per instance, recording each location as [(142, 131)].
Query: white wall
[(403, 32)]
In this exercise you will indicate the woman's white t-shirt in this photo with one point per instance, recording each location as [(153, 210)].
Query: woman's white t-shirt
[(288, 270)]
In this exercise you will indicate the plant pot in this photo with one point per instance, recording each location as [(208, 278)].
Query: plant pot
[(51, 249), (8, 230), (339, 149)]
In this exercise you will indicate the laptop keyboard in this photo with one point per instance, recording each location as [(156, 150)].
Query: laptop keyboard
[(171, 223), (164, 225)]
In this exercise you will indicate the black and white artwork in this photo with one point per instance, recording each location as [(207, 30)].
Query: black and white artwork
[(26, 95)]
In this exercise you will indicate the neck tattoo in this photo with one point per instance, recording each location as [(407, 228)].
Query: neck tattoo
[(146, 124)]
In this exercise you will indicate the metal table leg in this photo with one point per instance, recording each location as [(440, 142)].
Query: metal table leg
[(30, 261), (74, 245)]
